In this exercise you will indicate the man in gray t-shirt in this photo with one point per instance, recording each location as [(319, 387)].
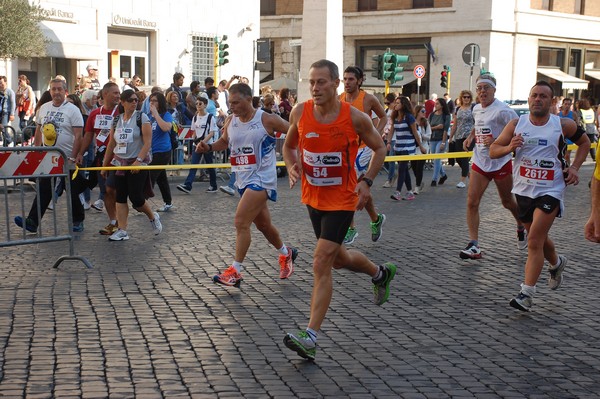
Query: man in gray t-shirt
[(60, 125)]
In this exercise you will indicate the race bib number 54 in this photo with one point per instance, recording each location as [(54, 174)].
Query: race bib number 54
[(322, 168)]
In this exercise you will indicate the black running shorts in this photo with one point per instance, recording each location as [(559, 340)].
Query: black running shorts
[(330, 225), (528, 205)]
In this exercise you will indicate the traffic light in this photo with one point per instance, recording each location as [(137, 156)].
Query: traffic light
[(377, 67), (400, 59), (444, 78), (221, 52), (391, 69)]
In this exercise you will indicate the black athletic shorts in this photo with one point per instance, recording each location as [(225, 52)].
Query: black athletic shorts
[(330, 225), (527, 205)]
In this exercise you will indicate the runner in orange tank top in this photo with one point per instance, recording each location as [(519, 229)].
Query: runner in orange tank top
[(369, 104), (321, 146)]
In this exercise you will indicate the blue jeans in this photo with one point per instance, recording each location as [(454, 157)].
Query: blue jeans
[(438, 169), (391, 165), (208, 159), (6, 136)]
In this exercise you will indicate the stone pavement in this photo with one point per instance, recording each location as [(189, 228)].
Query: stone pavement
[(148, 322)]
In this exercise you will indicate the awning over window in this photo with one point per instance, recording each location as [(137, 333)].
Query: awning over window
[(568, 81), (593, 73)]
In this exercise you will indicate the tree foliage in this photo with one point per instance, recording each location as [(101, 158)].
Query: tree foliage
[(20, 33)]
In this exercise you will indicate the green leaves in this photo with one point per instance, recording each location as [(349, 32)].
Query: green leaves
[(20, 33)]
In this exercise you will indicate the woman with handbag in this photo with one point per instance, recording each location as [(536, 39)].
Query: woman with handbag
[(463, 124), (25, 99)]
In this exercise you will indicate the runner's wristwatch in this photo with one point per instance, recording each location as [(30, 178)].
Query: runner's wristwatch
[(367, 180)]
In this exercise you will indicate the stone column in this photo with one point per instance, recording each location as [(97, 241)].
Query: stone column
[(322, 37)]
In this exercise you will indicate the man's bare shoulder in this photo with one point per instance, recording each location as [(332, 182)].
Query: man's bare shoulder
[(359, 117), (373, 104), (297, 111)]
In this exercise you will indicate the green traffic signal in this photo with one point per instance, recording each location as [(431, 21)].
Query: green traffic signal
[(391, 68), (377, 66), (220, 49)]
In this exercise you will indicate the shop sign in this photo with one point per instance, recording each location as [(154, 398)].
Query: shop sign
[(133, 22), (58, 15)]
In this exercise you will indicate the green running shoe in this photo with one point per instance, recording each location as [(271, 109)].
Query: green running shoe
[(301, 343), (381, 288), (377, 227), (351, 235)]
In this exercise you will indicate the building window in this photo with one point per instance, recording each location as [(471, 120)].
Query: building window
[(592, 60), (547, 5), (202, 59), (551, 57), (422, 3), (367, 5), (267, 7)]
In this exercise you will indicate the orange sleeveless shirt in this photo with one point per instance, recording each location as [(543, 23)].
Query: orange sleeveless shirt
[(358, 103), (328, 153)]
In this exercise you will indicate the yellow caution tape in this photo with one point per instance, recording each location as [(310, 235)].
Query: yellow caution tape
[(393, 158)]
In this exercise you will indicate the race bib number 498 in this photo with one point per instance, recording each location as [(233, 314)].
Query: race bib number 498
[(243, 159)]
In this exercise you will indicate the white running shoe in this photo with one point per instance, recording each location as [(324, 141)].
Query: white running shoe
[(227, 190), (156, 224), (98, 205), (119, 235), (165, 208)]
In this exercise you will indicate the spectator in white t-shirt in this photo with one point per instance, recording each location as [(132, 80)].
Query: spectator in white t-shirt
[(204, 126)]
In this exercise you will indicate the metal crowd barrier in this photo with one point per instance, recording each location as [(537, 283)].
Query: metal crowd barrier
[(19, 165)]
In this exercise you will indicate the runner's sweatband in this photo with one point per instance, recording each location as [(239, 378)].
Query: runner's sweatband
[(578, 133)]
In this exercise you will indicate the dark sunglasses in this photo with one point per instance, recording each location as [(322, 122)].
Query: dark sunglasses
[(387, 103), (466, 96), (423, 111), (132, 100)]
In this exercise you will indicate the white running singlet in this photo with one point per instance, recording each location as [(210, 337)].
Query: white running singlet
[(490, 121), (539, 163), (252, 153)]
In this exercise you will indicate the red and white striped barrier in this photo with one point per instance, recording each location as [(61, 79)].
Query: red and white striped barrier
[(27, 163), (185, 133)]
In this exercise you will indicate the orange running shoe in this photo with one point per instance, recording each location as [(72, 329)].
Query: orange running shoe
[(287, 263), (229, 277)]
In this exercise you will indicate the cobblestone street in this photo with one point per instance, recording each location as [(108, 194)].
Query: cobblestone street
[(148, 322)]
